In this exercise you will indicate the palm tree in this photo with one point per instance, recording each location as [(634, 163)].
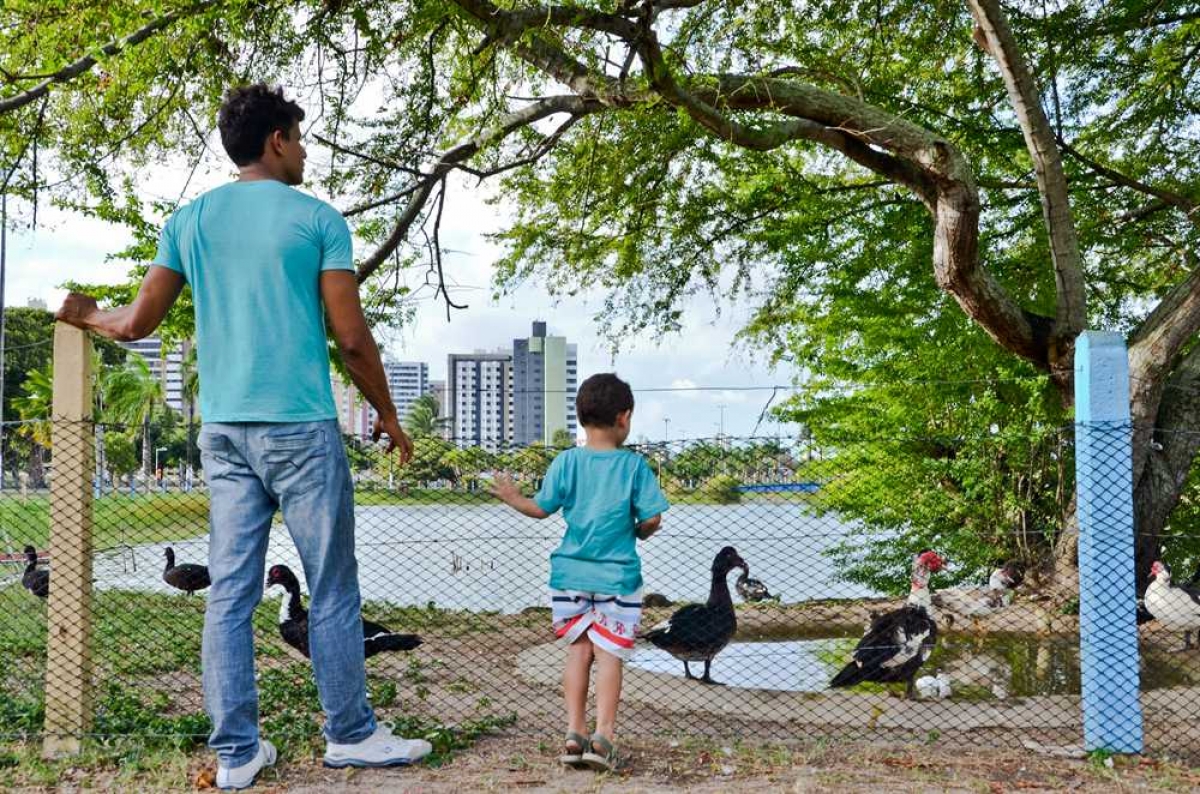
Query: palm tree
[(132, 393), (34, 409), (422, 419)]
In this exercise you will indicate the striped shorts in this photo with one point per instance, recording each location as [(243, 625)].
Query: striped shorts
[(610, 622)]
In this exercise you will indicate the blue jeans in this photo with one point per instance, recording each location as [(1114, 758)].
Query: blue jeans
[(252, 469)]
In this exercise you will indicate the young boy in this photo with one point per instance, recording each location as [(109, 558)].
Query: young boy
[(610, 499)]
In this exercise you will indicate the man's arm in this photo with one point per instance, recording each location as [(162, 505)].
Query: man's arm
[(339, 292), (158, 293)]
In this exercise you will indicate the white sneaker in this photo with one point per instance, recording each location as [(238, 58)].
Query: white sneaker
[(243, 776), (379, 749)]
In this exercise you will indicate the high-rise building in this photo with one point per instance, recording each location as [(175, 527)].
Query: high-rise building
[(545, 378), (407, 380), (355, 416), (168, 368), (479, 392), (437, 388)]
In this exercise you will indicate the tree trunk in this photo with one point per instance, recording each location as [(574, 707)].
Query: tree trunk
[(37, 468), (1162, 457)]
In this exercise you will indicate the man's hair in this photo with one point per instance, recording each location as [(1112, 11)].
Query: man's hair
[(248, 117), (601, 398)]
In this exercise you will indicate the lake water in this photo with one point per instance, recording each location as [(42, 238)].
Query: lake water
[(994, 666), (490, 558)]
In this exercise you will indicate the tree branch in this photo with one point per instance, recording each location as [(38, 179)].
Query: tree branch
[(1188, 206), (73, 70), (458, 154), (910, 155), (337, 147), (1071, 311)]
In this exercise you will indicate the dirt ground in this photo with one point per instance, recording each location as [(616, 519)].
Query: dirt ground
[(524, 764)]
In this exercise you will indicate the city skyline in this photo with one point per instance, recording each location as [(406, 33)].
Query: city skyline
[(698, 361)]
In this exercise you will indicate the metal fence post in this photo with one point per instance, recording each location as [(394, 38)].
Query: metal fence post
[(69, 630), (1112, 712)]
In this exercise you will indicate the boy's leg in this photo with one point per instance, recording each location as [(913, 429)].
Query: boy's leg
[(576, 674), (609, 673), (306, 466), (239, 522)]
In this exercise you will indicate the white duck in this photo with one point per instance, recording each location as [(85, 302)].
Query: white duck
[(1177, 608)]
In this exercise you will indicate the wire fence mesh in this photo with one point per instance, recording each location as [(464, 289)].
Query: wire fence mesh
[(828, 537)]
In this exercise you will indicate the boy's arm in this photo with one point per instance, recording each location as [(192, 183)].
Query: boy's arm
[(507, 491), (648, 527)]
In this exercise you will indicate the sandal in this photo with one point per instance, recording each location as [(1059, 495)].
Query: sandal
[(600, 763), (573, 757)]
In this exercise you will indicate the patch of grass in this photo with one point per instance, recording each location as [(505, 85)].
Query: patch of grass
[(366, 497), (289, 704), (382, 692), (119, 518), (449, 739), (462, 686)]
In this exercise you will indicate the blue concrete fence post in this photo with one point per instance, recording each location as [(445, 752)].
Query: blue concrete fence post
[(1112, 711)]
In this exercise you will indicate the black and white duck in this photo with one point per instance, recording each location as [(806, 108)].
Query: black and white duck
[(897, 643), (293, 620), (187, 577), (698, 632), (1177, 608), (35, 581), (752, 590)]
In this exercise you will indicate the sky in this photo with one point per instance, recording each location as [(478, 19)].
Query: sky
[(715, 384)]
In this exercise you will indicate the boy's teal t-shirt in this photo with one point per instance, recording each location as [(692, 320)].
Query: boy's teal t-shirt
[(253, 253), (604, 495)]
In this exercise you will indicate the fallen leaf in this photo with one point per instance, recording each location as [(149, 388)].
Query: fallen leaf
[(206, 778)]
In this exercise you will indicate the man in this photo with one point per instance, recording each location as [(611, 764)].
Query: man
[(261, 259)]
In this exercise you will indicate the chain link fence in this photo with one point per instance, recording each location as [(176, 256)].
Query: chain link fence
[(828, 537)]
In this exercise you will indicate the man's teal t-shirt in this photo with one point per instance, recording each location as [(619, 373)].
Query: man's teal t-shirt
[(604, 495), (253, 253)]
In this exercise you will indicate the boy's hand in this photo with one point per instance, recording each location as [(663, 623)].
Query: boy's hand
[(504, 489)]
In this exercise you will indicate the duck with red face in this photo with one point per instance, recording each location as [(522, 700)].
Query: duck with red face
[(897, 643), (1177, 608)]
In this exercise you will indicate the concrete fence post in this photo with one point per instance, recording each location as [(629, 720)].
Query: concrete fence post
[(1112, 712), (69, 631)]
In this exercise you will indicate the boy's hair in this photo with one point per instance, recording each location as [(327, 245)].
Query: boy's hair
[(248, 117), (601, 398)]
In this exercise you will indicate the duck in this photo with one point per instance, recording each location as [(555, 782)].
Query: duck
[(976, 603), (752, 590), (698, 632), (897, 643), (1177, 608), (187, 577), (293, 620), (35, 581)]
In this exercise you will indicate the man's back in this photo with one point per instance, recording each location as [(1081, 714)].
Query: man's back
[(252, 252)]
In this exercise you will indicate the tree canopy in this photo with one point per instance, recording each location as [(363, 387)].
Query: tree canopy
[(942, 194)]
